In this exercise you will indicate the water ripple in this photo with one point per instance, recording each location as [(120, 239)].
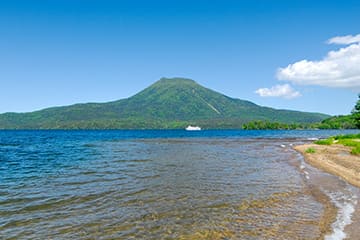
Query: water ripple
[(142, 185)]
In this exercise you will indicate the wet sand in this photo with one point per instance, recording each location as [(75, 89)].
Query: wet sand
[(337, 160)]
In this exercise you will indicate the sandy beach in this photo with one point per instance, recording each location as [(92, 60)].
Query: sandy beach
[(336, 159)]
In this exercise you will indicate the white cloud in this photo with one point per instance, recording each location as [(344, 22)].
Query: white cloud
[(285, 91), (339, 68), (348, 39)]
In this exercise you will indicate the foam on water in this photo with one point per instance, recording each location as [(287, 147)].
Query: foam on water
[(307, 175), (313, 139), (346, 205), (343, 196)]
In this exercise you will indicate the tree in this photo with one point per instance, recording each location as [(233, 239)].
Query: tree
[(356, 113)]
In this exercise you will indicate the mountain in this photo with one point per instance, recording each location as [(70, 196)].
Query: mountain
[(168, 103)]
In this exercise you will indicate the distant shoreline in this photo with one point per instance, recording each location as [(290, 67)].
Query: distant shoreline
[(169, 129)]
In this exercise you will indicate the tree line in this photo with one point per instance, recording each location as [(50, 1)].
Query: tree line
[(351, 121)]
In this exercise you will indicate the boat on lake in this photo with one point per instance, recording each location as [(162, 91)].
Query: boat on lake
[(193, 128)]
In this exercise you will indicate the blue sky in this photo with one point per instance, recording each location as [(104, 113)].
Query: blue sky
[(282, 54)]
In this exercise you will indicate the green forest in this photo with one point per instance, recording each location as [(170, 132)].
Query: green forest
[(351, 121)]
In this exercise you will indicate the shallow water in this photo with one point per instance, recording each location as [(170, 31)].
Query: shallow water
[(164, 185)]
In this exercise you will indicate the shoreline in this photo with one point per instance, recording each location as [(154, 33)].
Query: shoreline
[(334, 159), (337, 160)]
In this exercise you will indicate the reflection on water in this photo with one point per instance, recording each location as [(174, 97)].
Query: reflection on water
[(177, 188)]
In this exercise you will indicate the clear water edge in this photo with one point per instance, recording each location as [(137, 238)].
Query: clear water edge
[(159, 185)]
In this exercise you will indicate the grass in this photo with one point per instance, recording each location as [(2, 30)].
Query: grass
[(327, 141), (310, 150), (349, 140), (355, 151), (347, 136), (351, 143)]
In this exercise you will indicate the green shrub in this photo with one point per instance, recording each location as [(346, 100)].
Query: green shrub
[(349, 142), (327, 141), (356, 151), (310, 150), (347, 136)]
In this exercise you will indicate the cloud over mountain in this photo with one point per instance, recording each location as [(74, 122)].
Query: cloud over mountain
[(285, 91), (339, 68)]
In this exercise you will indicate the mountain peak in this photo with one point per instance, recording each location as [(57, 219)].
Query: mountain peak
[(168, 103), (175, 80)]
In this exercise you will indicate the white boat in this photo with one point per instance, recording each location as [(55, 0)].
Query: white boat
[(192, 128)]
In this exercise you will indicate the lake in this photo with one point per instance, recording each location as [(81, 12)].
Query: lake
[(167, 184)]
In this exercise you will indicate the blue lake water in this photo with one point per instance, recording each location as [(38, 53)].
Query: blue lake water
[(160, 184)]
